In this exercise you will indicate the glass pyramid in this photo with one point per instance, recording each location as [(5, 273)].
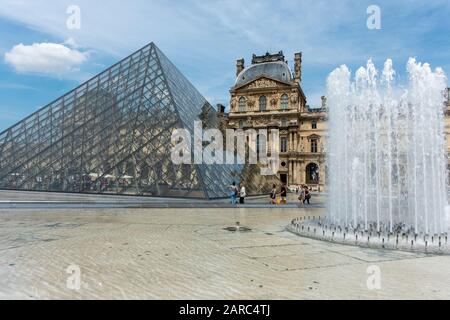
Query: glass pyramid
[(112, 135)]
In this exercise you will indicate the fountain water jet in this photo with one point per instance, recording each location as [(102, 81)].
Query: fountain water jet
[(386, 155)]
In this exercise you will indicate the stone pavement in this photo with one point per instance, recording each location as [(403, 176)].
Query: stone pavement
[(53, 200), (178, 253)]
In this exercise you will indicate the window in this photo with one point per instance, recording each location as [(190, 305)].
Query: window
[(242, 104), (312, 173), (241, 124), (314, 124), (261, 145), (314, 145), (284, 102), (284, 123), (283, 144), (262, 103)]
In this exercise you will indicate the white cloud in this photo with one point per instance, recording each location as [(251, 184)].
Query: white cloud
[(45, 58), (70, 42), (204, 40)]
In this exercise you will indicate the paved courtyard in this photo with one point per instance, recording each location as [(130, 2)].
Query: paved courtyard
[(176, 253)]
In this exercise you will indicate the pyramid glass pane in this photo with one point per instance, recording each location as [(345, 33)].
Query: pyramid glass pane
[(112, 135)]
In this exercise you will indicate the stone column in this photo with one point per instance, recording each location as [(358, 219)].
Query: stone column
[(269, 142), (295, 142), (294, 172), (322, 177), (291, 172), (302, 174), (290, 141)]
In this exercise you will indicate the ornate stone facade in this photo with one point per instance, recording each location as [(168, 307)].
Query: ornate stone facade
[(267, 95)]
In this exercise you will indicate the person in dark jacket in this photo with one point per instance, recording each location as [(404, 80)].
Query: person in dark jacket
[(283, 194), (273, 195), (307, 195)]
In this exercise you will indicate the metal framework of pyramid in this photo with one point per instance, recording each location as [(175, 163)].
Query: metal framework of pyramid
[(112, 135)]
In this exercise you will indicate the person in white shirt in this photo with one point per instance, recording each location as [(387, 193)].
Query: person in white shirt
[(301, 194), (242, 194)]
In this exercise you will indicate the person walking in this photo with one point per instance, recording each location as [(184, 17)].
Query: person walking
[(283, 194), (307, 195), (273, 195), (301, 194), (242, 194), (234, 193)]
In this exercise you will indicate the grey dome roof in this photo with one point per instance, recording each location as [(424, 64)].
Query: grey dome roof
[(277, 70)]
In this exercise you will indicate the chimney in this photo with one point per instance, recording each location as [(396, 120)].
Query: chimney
[(324, 102), (298, 68), (239, 66), (220, 108)]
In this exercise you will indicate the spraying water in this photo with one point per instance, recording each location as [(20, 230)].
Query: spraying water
[(387, 161)]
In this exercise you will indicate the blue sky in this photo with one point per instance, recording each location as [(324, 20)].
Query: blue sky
[(41, 59)]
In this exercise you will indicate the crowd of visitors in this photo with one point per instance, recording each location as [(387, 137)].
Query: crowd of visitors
[(277, 197)]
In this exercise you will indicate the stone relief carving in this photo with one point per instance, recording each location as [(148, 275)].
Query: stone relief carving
[(260, 122), (262, 83), (294, 98)]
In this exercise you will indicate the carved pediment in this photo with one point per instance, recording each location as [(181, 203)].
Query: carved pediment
[(313, 136), (263, 83)]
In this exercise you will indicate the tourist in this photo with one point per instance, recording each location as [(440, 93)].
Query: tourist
[(301, 194), (283, 194), (234, 193), (273, 195), (307, 195), (242, 194)]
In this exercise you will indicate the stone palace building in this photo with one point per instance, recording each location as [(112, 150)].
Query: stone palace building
[(268, 95)]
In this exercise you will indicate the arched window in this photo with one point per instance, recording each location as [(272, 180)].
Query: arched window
[(262, 103), (284, 102), (312, 173), (242, 105)]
